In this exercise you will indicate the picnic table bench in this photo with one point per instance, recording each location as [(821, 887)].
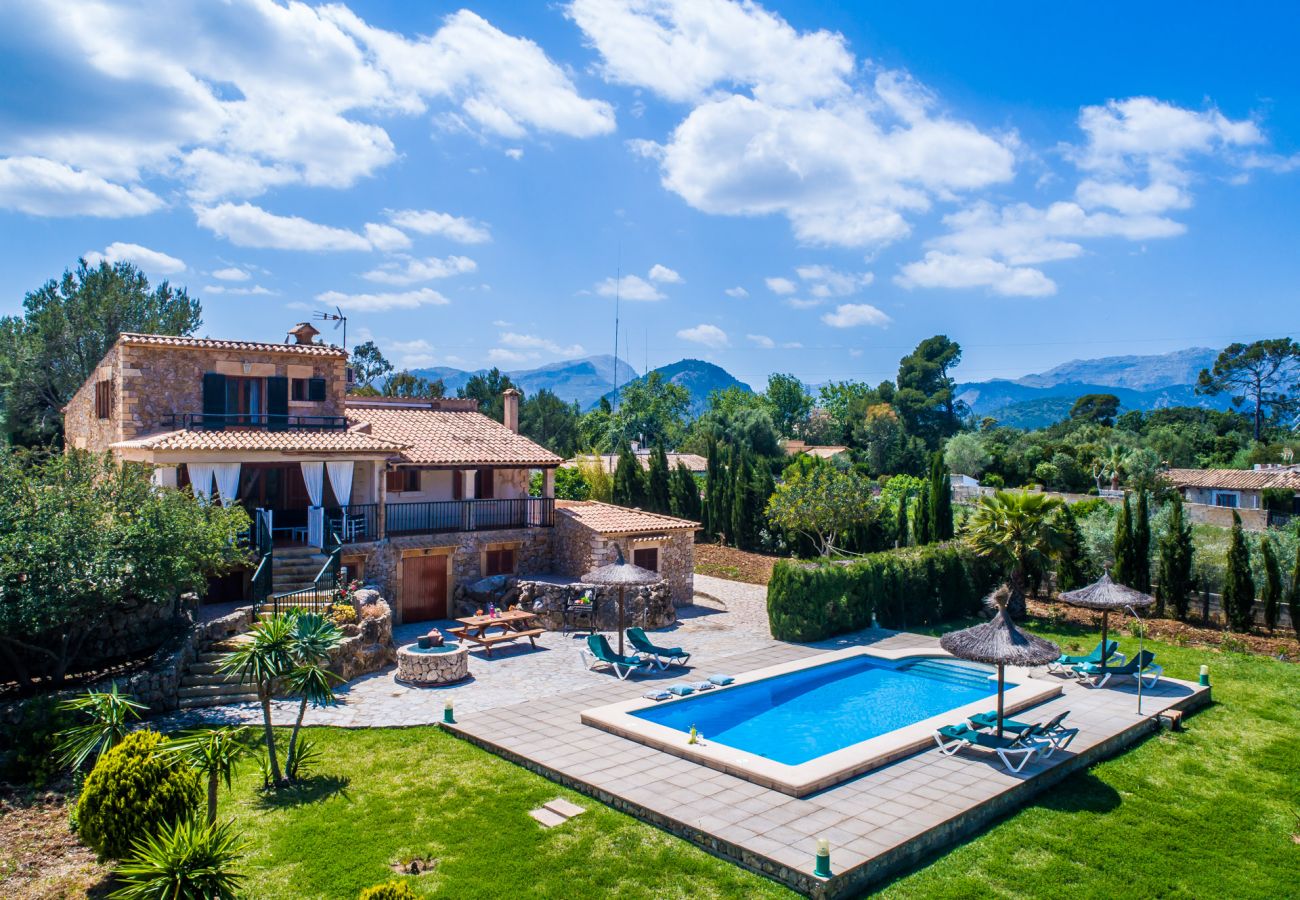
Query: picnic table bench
[(513, 624)]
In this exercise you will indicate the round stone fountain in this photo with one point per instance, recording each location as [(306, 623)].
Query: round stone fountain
[(432, 666)]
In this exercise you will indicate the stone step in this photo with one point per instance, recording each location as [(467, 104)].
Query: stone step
[(208, 679), (214, 700), (215, 690)]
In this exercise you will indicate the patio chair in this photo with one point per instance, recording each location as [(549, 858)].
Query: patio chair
[(1058, 736), (1064, 665), (598, 652), (952, 738), (1143, 666), (663, 657)]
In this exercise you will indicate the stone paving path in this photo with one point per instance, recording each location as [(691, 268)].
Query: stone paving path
[(517, 673)]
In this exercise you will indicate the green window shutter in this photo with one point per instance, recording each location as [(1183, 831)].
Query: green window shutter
[(277, 402), (316, 389), (214, 401)]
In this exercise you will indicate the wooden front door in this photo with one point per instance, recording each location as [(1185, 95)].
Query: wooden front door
[(424, 588)]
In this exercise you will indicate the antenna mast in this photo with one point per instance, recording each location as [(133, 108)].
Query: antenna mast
[(338, 319), (618, 285)]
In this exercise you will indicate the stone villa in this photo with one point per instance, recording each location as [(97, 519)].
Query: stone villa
[(415, 496)]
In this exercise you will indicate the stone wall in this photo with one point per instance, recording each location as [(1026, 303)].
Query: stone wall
[(648, 607), (368, 645), (578, 549), (82, 429)]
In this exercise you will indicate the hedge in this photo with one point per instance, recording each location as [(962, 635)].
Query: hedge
[(814, 600)]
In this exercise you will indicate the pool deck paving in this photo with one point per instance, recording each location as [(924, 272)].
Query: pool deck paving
[(526, 705)]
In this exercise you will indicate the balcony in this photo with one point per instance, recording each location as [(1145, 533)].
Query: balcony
[(257, 421), (362, 522)]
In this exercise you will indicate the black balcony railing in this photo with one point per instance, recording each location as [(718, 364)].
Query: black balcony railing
[(360, 523), (441, 516), (265, 421)]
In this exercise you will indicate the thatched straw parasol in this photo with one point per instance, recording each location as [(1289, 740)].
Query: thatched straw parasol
[(1106, 595), (621, 574), (1000, 643)]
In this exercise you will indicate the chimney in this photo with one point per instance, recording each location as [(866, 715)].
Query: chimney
[(303, 333), (510, 397)]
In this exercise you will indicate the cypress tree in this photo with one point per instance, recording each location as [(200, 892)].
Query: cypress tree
[(1175, 563), (657, 489), (685, 494), (1142, 545), (629, 481), (712, 477), (1238, 585), (940, 500), (900, 522), (922, 529), (1293, 595), (1069, 562), (744, 501), (1123, 572), (1272, 594)]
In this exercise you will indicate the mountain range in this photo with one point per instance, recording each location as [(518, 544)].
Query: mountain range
[(1032, 401)]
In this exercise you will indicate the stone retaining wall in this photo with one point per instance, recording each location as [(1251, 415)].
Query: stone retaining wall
[(648, 607), (368, 645)]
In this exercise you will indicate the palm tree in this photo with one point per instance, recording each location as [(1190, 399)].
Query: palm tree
[(1019, 531), (110, 717), (314, 636), (263, 659), (215, 754), (1111, 464)]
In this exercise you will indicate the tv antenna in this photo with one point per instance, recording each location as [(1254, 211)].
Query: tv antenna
[(338, 319)]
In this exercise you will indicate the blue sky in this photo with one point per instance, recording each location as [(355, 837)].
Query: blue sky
[(803, 187)]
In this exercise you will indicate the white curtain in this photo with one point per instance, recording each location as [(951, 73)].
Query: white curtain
[(341, 481), (227, 475), (200, 479), (313, 474), (164, 476)]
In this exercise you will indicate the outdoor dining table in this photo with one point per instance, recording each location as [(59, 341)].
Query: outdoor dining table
[(510, 625)]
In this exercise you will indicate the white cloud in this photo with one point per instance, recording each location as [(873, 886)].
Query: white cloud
[(43, 187), (386, 237), (532, 342), (737, 292), (708, 335), (246, 225), (231, 274), (1152, 134), (761, 341), (781, 285), (230, 99), (412, 354), (428, 221), (629, 287), (252, 290), (515, 153), (950, 270), (804, 303), (664, 275), (409, 270), (384, 302), (500, 355), (850, 315), (152, 261), (825, 281)]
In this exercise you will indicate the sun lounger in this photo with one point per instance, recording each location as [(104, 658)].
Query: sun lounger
[(599, 652), (1143, 666), (1053, 731), (663, 657), (1065, 665), (952, 738)]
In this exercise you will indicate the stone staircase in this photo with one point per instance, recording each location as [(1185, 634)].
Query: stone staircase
[(293, 568), (203, 685)]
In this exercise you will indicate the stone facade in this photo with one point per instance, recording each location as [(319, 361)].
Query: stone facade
[(578, 549), (367, 645), (648, 607), (151, 382)]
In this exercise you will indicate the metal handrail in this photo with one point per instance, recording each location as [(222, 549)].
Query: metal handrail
[(322, 586), (437, 516), (281, 421)]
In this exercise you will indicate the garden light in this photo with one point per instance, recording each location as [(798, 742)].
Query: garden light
[(823, 867), (447, 714), (1205, 676)]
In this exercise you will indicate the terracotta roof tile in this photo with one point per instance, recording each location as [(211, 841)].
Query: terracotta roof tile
[(607, 518), (1234, 479), (167, 340), (287, 441), (445, 438)]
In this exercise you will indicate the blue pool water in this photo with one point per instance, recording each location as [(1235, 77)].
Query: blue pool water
[(806, 714)]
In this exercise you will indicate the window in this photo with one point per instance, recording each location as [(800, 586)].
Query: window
[(308, 390), (499, 562), (299, 390), (400, 481), (244, 396), (104, 399), (1229, 500), (646, 558)]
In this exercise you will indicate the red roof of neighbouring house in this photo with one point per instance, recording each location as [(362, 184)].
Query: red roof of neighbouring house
[(1234, 479), (607, 518)]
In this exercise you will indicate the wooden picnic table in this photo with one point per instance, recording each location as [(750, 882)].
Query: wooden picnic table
[(513, 624)]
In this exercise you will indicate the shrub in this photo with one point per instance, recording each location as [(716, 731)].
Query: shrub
[(28, 750), (809, 601), (393, 890), (188, 860), (374, 610), (343, 614), (134, 790)]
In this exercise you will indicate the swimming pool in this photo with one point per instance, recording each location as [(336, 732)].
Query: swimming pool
[(805, 725), (802, 715)]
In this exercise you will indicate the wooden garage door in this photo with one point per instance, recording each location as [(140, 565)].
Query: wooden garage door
[(424, 588)]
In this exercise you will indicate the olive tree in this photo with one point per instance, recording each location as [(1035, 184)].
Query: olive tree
[(821, 503)]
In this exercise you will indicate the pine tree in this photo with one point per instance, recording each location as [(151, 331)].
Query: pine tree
[(1272, 594), (1293, 595), (685, 494), (629, 481), (900, 522), (922, 530), (940, 501), (1142, 545), (1238, 585), (1070, 572), (1123, 572), (657, 489), (1175, 563)]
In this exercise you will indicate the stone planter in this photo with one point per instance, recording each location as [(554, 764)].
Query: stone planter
[(447, 664)]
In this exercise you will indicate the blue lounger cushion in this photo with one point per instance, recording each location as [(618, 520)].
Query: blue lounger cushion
[(721, 680), (681, 690), (656, 694)]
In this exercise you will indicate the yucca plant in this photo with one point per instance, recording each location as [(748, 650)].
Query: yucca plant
[(215, 754), (111, 714), (189, 860), (314, 636), (266, 657)]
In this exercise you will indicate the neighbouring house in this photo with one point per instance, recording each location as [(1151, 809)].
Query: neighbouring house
[(963, 481), (1236, 488), (827, 451), (415, 496), (695, 464)]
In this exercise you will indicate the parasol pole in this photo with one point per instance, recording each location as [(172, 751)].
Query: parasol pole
[(1001, 685), (1141, 649), (620, 620), (1105, 620)]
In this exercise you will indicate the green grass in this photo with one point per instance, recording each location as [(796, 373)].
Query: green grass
[(1205, 813)]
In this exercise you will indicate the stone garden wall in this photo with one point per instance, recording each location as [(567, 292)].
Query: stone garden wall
[(648, 607), (368, 644)]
